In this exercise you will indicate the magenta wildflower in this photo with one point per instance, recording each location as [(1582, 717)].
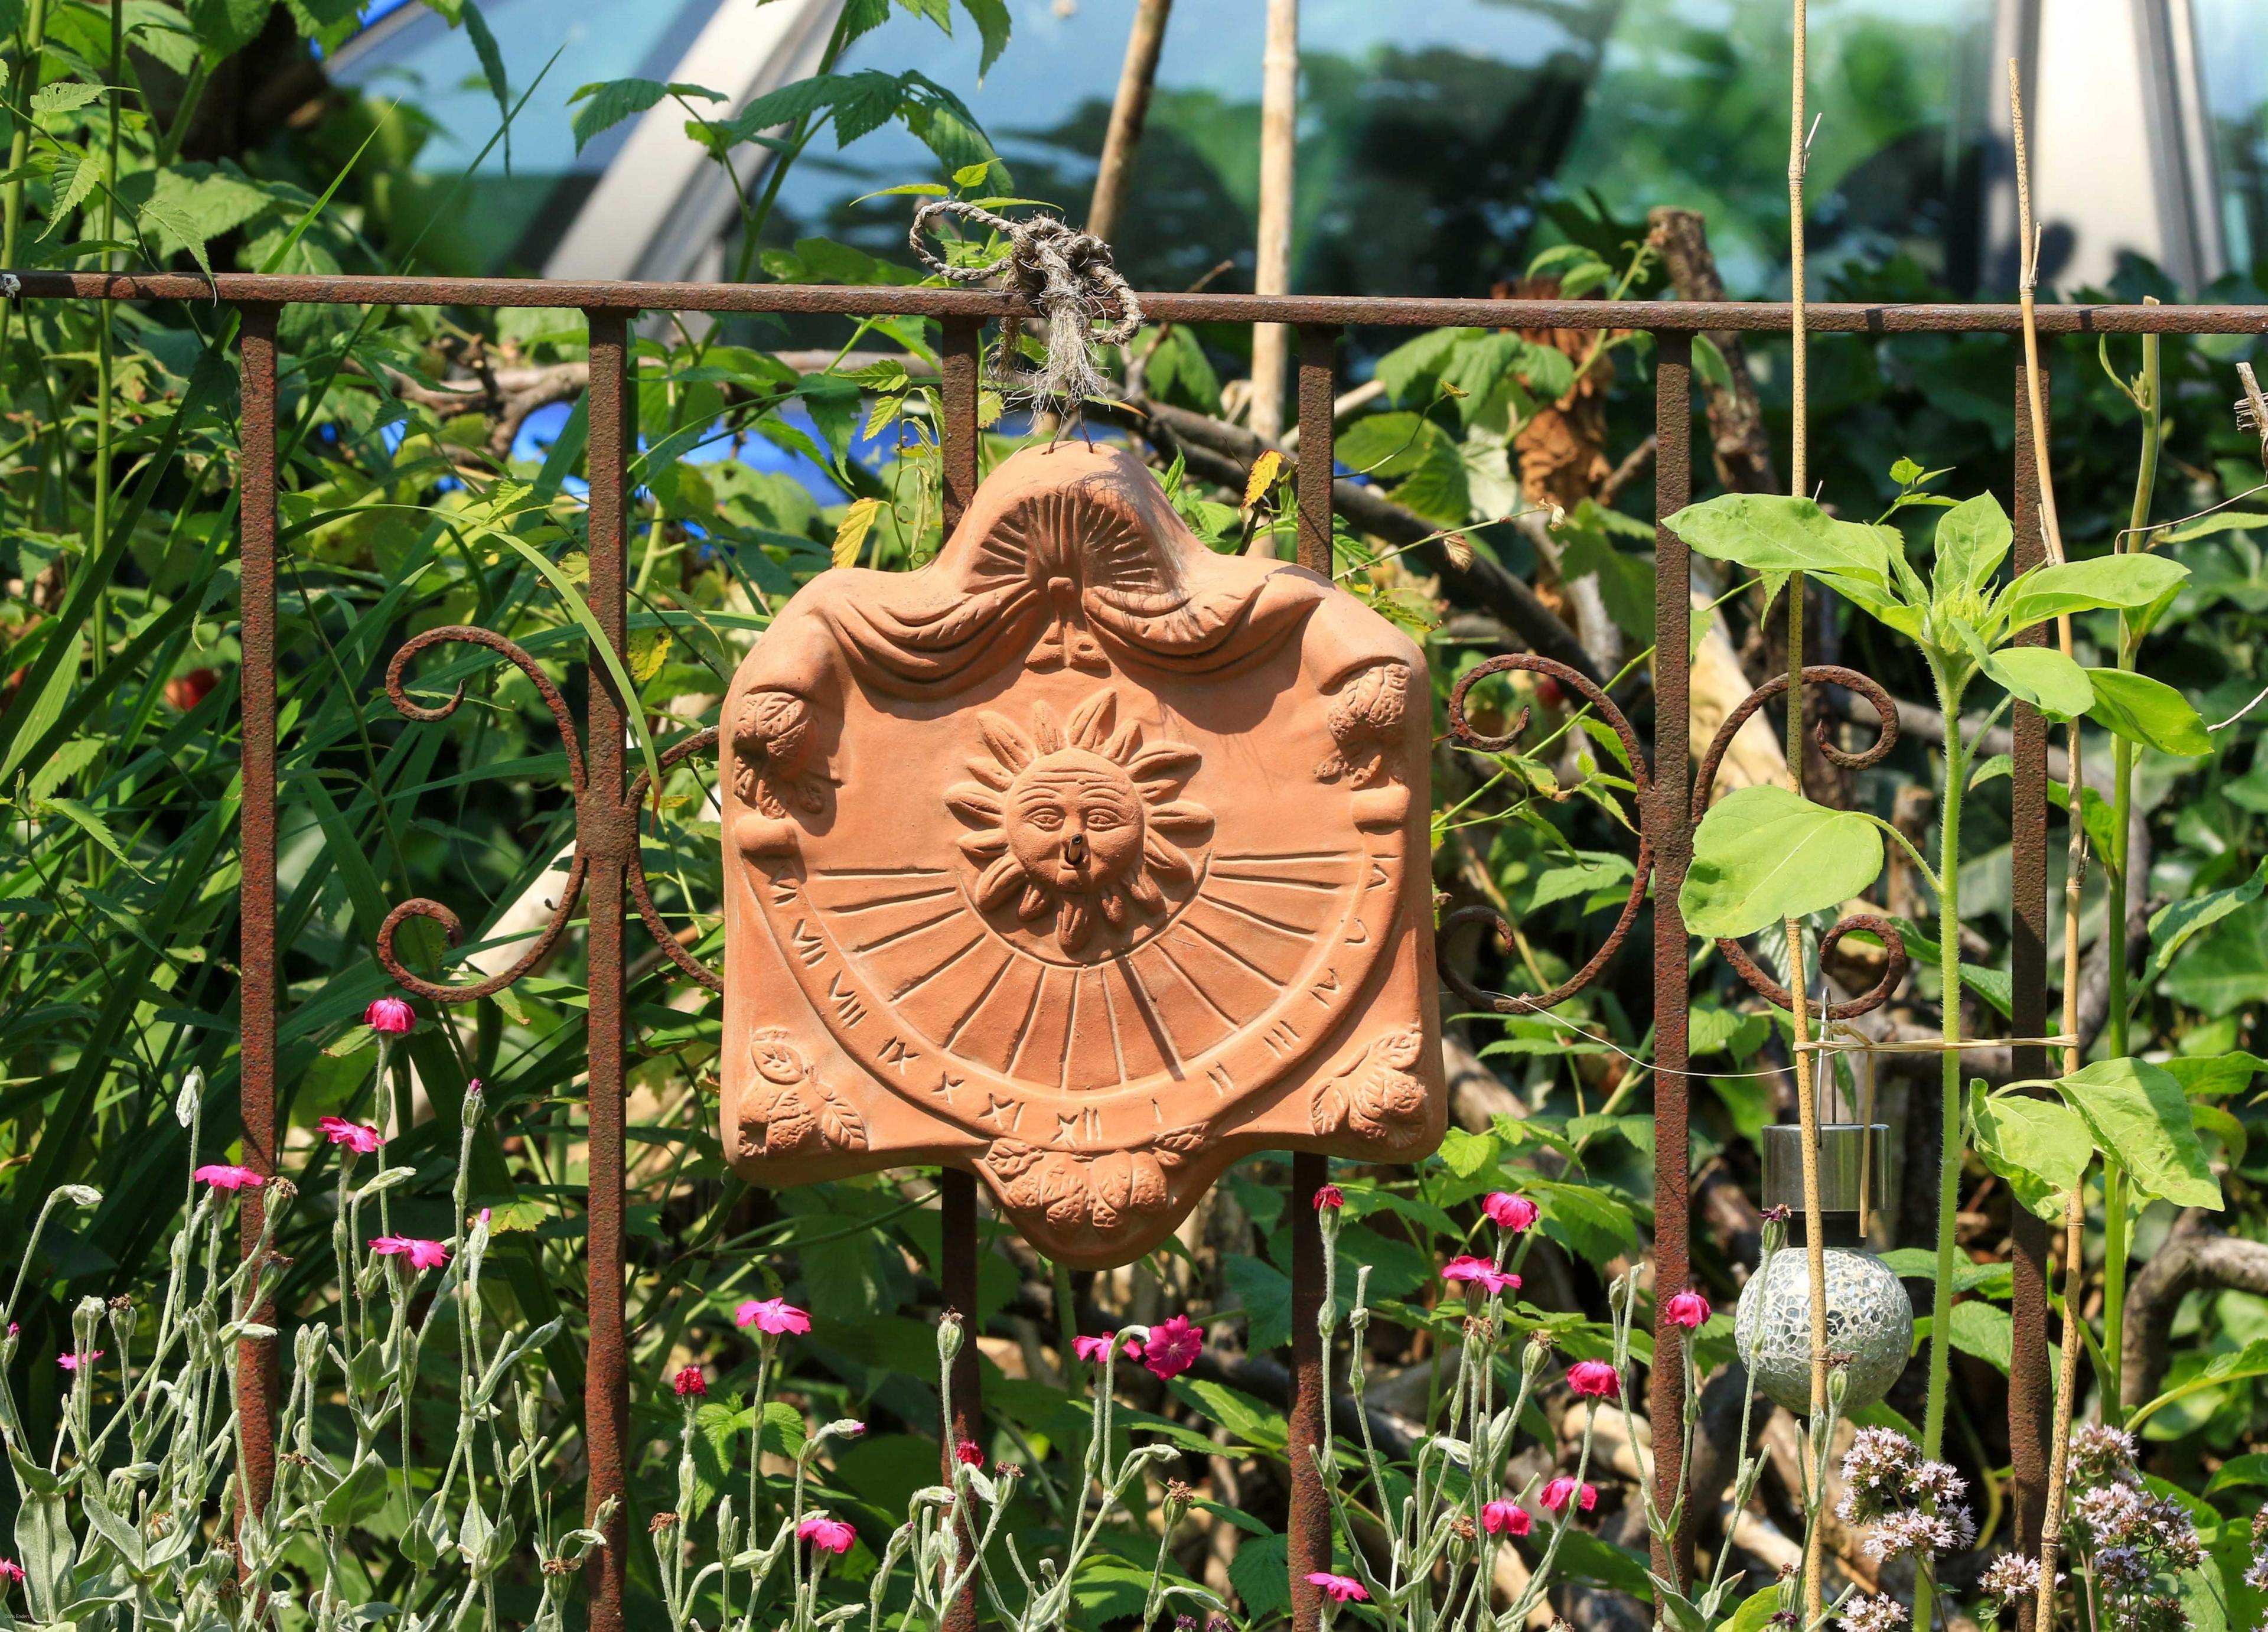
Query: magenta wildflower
[(360, 1137), (389, 1016), (772, 1316), (831, 1533)]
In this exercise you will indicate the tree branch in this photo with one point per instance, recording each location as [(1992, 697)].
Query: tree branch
[(1223, 453), (2196, 1254)]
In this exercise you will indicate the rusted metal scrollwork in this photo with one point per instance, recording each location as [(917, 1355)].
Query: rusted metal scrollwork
[(642, 893), (1462, 730), (1886, 737), (463, 634)]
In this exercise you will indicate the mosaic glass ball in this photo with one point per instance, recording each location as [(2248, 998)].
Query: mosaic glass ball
[(1868, 1317)]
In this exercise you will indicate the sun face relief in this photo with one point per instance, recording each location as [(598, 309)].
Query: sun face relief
[(1094, 928), (1075, 821)]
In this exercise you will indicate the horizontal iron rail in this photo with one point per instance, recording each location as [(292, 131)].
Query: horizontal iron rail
[(863, 301)]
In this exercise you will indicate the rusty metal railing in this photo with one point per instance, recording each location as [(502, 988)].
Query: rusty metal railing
[(608, 868)]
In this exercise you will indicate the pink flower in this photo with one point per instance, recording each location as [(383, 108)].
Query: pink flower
[(1172, 1347), (1480, 1271), (10, 1571), (357, 1136), (1594, 1380), (1508, 1211), (1339, 1588), (222, 1176), (1557, 1493), (772, 1316), (389, 1016), (830, 1533), (689, 1383), (966, 1451), (1096, 1349), (1689, 1310), (1505, 1518), (421, 1255), (72, 1363), (1331, 1196)]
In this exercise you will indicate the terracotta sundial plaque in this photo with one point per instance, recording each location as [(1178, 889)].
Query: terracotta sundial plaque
[(1082, 856)]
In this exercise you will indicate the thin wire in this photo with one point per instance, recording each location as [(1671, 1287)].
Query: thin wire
[(2182, 521), (1851, 1041)]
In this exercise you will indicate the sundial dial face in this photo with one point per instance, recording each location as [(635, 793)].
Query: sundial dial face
[(1083, 858)]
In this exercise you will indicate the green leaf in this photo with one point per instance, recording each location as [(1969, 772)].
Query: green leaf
[(227, 27), (1755, 1611), (606, 103), (993, 25), (1261, 1574), (1772, 532), (2040, 1146), (1409, 372), (2137, 1114), (2225, 971), (73, 178), (360, 1495), (1764, 854), (1419, 452), (1263, 1426), (1587, 1558), (1984, 1330), (1589, 1224), (2042, 677), (177, 228), (63, 96), (1265, 1291), (2051, 591), (2251, 1469), (2217, 1076), (1467, 1153), (601, 646), (2149, 712), (2173, 925), (484, 47), (1973, 538), (92, 825), (1727, 1031)]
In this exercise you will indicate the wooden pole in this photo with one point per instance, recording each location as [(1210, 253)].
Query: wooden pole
[(1129, 112), (1272, 272)]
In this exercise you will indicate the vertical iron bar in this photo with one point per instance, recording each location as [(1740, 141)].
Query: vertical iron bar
[(256, 838), (1672, 832), (957, 1276), (2029, 1401), (605, 828), (959, 357), (1318, 397), (1308, 1547)]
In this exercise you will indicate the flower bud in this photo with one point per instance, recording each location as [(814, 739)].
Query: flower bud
[(949, 1335)]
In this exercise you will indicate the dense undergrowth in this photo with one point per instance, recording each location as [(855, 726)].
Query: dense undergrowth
[(411, 499)]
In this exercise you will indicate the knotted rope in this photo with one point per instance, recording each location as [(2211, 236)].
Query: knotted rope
[(1068, 275)]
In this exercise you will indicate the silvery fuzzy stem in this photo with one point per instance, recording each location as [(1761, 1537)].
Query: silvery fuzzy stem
[(1542, 1579)]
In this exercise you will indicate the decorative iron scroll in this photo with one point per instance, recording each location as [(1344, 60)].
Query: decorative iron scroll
[(1886, 737), (577, 868), (1462, 730)]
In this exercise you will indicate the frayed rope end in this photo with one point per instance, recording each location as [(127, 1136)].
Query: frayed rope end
[(1068, 276)]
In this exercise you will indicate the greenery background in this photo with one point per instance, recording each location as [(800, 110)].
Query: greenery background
[(118, 917)]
